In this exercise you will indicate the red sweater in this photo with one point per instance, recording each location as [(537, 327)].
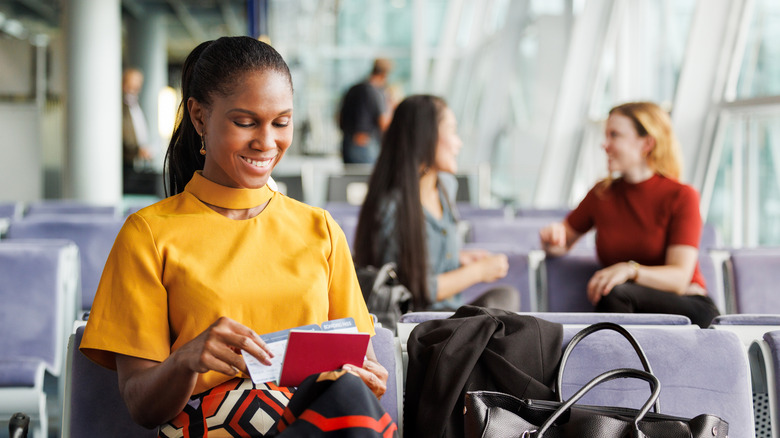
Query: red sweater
[(640, 221)]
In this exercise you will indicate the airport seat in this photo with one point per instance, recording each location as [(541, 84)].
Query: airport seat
[(11, 210), (349, 188), (343, 210), (748, 327), (38, 290), (520, 276), (94, 235), (388, 353), (709, 237), (564, 281), (348, 224), (764, 355), (290, 185), (522, 233), (701, 371), (752, 277), (408, 320), (92, 403), (468, 212), (94, 407), (69, 206), (551, 214)]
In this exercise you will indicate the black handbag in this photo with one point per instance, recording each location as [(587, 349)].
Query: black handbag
[(384, 294), (496, 415)]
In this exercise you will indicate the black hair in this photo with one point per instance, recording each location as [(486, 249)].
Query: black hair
[(214, 67), (408, 147)]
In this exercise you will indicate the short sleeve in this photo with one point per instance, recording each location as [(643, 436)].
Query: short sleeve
[(131, 280), (345, 295), (685, 224), (581, 218)]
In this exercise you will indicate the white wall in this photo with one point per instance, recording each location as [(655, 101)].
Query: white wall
[(21, 176)]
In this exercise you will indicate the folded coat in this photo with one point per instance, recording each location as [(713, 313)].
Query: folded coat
[(475, 349)]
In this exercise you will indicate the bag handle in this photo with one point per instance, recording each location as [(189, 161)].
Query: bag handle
[(619, 373), (385, 272), (590, 330)]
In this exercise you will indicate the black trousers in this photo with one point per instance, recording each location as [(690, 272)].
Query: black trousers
[(634, 298)]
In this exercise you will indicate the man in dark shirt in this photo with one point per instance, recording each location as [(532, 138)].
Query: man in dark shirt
[(364, 116)]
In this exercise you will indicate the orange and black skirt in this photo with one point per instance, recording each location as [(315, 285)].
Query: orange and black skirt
[(335, 404)]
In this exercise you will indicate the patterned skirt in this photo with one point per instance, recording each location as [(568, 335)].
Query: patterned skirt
[(236, 408), (334, 404)]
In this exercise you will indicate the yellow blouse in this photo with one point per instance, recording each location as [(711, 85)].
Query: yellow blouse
[(177, 266)]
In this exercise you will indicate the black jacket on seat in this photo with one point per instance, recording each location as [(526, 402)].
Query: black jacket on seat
[(475, 349)]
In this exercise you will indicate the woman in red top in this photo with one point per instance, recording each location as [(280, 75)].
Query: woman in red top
[(648, 223)]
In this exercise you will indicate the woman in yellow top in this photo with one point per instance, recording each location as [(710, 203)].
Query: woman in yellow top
[(193, 279)]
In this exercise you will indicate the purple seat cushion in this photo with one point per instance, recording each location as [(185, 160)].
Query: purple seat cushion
[(384, 347), (701, 371), (94, 235), (756, 276), (567, 280), (97, 408), (517, 276), (31, 314), (746, 319), (572, 317), (20, 372)]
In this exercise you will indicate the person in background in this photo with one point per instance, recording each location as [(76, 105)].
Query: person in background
[(409, 216), (135, 133), (647, 222), (193, 279), (364, 115)]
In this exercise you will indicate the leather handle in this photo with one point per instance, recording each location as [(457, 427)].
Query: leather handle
[(582, 334), (619, 373)]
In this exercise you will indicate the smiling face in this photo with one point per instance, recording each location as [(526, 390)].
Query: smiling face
[(449, 143), (247, 132), (626, 149)]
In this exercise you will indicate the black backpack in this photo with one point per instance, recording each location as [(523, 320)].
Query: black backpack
[(384, 294)]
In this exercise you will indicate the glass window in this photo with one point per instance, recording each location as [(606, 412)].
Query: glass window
[(745, 205), (760, 71)]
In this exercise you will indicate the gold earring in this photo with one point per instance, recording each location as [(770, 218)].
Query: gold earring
[(202, 144)]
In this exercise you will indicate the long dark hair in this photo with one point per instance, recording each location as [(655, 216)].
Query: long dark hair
[(212, 67), (408, 147)]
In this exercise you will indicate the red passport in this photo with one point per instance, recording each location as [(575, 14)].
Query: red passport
[(310, 352)]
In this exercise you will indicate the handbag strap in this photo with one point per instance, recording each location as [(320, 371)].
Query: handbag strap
[(386, 272), (590, 330), (620, 373)]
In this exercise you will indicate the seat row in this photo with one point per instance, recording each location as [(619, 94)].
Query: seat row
[(701, 371), (738, 280), (45, 273)]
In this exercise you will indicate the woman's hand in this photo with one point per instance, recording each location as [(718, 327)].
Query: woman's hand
[(605, 279), (553, 235), (493, 267), (558, 238), (373, 374), (469, 256), (219, 347), (155, 392)]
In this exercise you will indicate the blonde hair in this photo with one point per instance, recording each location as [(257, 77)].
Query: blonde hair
[(649, 119)]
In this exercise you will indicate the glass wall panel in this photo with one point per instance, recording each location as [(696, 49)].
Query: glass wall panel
[(641, 62), (760, 72), (745, 206)]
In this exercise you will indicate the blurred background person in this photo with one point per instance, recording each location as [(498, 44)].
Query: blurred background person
[(648, 224), (408, 216), (135, 131), (364, 115)]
